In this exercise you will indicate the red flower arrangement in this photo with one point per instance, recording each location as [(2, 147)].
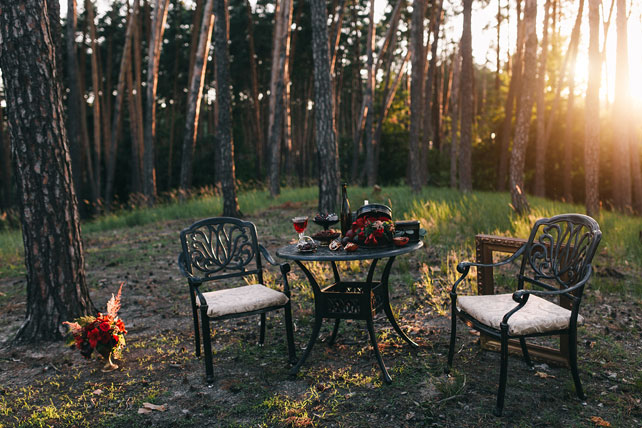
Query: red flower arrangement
[(371, 231), (104, 333)]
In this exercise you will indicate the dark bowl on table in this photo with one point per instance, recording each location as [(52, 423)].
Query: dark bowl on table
[(326, 221), (375, 210)]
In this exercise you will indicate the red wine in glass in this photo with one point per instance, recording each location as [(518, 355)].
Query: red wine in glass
[(300, 223)]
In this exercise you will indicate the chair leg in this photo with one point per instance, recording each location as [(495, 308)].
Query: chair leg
[(262, 334), (197, 332), (453, 335), (207, 345), (501, 392), (335, 331), (289, 331), (527, 357), (572, 357)]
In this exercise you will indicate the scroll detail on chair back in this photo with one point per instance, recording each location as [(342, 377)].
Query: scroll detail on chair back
[(556, 262), (221, 249)]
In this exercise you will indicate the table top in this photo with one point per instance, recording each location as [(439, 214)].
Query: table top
[(323, 253)]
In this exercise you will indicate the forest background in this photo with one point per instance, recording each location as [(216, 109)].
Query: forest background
[(273, 142)]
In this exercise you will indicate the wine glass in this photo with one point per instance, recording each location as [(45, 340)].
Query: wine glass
[(300, 223)]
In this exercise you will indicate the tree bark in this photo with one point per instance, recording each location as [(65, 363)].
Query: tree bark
[(621, 118), (75, 107), (513, 88), (95, 84), (149, 132), (137, 93), (256, 106), (279, 79), (454, 119), (467, 100), (195, 95), (224, 126), (567, 178), (592, 113), (120, 92), (5, 164), (417, 59), (369, 100), (428, 131), (540, 144), (326, 139), (524, 110), (56, 286)]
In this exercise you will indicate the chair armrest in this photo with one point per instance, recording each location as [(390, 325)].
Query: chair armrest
[(181, 267), (284, 267), (515, 255), (521, 296), (266, 254), (464, 267)]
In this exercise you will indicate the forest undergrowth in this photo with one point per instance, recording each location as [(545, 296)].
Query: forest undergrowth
[(48, 384)]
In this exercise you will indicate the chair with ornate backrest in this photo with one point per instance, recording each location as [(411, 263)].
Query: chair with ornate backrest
[(557, 259), (224, 248)]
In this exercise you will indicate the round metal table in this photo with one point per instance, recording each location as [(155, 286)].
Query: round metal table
[(350, 300)]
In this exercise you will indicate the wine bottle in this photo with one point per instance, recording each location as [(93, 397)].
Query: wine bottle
[(346, 215)]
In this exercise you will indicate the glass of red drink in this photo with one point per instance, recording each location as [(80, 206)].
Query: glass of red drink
[(300, 223)]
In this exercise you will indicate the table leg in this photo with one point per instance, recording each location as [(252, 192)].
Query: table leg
[(313, 338), (386, 304), (375, 348), (335, 330), (318, 319)]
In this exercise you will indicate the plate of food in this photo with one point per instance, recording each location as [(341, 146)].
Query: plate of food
[(326, 236)]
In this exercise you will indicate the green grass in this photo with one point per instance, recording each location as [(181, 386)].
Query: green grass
[(451, 218)]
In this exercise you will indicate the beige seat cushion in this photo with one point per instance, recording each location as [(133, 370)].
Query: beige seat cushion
[(241, 299), (537, 316)]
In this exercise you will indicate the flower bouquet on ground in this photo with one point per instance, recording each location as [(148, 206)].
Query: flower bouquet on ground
[(104, 333), (371, 231)]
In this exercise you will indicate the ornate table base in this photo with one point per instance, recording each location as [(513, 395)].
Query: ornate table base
[(352, 300)]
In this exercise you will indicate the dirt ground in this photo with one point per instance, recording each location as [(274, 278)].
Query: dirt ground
[(340, 386)]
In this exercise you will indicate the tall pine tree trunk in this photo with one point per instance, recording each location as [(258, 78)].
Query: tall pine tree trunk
[(120, 92), (454, 119), (149, 132), (325, 136), (513, 89), (5, 165), (256, 106), (56, 285), (279, 79), (369, 100), (95, 84), (74, 100), (428, 130), (540, 144), (524, 110), (467, 102), (195, 95), (416, 93), (224, 127), (567, 178), (621, 117), (592, 113)]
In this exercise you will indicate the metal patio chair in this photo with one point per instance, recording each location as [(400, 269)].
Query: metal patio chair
[(557, 260), (220, 249)]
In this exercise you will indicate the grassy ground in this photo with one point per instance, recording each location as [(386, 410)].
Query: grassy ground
[(49, 385)]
